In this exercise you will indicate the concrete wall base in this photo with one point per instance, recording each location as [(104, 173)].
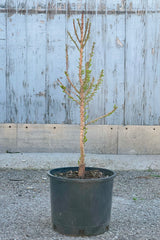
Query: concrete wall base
[(102, 139)]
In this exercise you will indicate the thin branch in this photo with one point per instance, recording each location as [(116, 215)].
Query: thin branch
[(88, 34), (70, 96), (79, 24), (106, 115), (66, 73), (69, 90), (95, 88), (73, 41), (75, 30), (86, 28), (81, 58), (92, 50), (90, 87)]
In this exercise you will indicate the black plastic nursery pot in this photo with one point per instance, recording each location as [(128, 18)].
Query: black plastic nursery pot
[(81, 206)]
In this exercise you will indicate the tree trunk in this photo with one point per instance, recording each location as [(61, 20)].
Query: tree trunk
[(81, 171)]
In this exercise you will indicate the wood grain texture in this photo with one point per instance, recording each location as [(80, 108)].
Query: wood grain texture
[(114, 62), (36, 68), (135, 69), (2, 67), (33, 37)]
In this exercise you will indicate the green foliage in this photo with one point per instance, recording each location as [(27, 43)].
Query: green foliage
[(63, 87), (71, 97), (92, 91), (66, 74), (86, 117), (75, 43), (155, 175), (82, 72), (134, 198), (115, 107), (149, 169), (87, 87), (85, 134)]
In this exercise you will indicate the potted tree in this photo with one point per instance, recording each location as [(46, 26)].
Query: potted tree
[(81, 196)]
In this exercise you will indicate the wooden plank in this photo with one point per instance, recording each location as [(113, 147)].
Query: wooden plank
[(139, 6), (21, 82), (56, 66), (2, 67), (2, 4), (14, 57), (76, 6), (17, 82), (143, 87), (152, 68), (36, 67), (135, 5), (20, 5), (135, 67), (114, 47)]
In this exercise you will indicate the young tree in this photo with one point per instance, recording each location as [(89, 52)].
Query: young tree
[(88, 86)]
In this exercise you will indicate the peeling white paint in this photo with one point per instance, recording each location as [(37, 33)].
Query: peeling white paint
[(32, 48), (119, 43)]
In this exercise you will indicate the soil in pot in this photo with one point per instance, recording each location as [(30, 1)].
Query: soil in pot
[(88, 174)]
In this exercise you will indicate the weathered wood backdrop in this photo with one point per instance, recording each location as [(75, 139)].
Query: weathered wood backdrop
[(33, 35)]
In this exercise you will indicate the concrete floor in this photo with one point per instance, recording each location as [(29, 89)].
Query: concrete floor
[(53, 160), (25, 207)]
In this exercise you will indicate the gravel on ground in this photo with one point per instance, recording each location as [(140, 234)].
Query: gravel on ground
[(25, 206)]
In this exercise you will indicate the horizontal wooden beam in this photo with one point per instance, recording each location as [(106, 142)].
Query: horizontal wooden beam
[(12, 11)]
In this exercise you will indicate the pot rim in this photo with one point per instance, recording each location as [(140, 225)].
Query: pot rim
[(59, 178)]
